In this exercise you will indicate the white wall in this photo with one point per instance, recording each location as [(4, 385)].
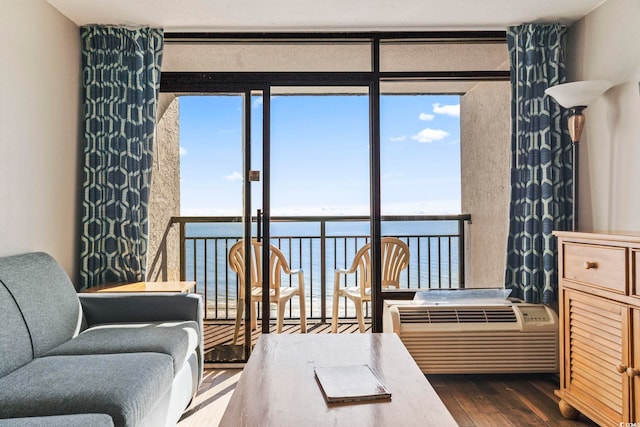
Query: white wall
[(605, 45), (39, 131)]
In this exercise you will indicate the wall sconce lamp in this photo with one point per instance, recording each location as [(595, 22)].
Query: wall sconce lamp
[(575, 97)]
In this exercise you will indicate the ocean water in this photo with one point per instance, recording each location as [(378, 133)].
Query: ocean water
[(433, 258)]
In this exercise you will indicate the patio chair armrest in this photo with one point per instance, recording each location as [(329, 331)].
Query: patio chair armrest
[(141, 307), (336, 277), (300, 273)]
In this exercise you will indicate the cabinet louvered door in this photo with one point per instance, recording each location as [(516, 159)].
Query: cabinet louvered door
[(635, 368), (596, 340)]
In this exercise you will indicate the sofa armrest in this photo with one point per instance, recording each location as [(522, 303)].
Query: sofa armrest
[(100, 308), (137, 307)]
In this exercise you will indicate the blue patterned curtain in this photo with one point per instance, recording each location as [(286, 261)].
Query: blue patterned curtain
[(541, 165), (121, 81)]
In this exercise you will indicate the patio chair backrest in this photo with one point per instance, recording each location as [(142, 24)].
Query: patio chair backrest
[(395, 258), (277, 264)]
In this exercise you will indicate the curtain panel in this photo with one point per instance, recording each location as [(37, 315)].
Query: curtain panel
[(121, 82), (541, 165)]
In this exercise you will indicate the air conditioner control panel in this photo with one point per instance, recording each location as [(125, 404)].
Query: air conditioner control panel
[(535, 314)]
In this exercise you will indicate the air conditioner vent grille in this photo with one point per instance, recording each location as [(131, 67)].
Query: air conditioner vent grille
[(457, 315)]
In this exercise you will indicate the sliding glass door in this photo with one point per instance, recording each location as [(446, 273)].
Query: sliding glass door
[(320, 190)]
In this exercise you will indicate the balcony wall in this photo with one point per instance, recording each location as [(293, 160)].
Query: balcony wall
[(485, 150), (164, 250)]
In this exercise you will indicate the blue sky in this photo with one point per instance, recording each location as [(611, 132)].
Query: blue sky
[(320, 154)]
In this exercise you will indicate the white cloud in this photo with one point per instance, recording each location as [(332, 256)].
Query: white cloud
[(430, 135), (235, 176), (183, 151), (426, 116), (448, 110), (258, 102), (397, 138)]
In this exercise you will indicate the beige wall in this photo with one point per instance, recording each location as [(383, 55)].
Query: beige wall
[(39, 142), (604, 45), (164, 240), (485, 138)]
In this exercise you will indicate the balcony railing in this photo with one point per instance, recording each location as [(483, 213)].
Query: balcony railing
[(319, 245)]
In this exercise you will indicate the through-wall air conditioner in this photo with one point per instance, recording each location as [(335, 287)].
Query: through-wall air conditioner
[(467, 338)]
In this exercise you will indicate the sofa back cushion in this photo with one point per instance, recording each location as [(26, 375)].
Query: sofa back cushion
[(15, 341), (45, 296)]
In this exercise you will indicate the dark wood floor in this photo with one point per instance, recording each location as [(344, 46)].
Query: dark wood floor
[(474, 400), (503, 400)]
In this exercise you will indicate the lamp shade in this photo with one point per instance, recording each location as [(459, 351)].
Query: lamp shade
[(578, 94)]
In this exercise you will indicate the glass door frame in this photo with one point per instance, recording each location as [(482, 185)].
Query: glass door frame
[(247, 92), (247, 219), (328, 79), (262, 233), (263, 214), (266, 208)]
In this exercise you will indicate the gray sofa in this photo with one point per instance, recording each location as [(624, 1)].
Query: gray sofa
[(93, 359)]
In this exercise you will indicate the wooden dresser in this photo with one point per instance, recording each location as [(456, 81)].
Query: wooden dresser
[(599, 302)]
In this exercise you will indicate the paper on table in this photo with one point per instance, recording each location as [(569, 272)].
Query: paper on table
[(350, 383)]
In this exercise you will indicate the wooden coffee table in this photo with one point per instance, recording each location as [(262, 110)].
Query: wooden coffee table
[(144, 287), (278, 387)]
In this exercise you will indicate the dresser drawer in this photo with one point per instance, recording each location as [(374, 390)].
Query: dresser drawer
[(602, 266)]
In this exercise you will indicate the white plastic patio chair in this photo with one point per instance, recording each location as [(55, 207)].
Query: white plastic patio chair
[(278, 294), (395, 258)]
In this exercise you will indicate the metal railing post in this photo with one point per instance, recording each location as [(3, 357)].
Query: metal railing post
[(323, 271), (461, 253), (183, 253)]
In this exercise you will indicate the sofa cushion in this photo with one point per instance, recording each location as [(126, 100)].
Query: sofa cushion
[(125, 386), (15, 340), (74, 420), (45, 296), (176, 339)]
